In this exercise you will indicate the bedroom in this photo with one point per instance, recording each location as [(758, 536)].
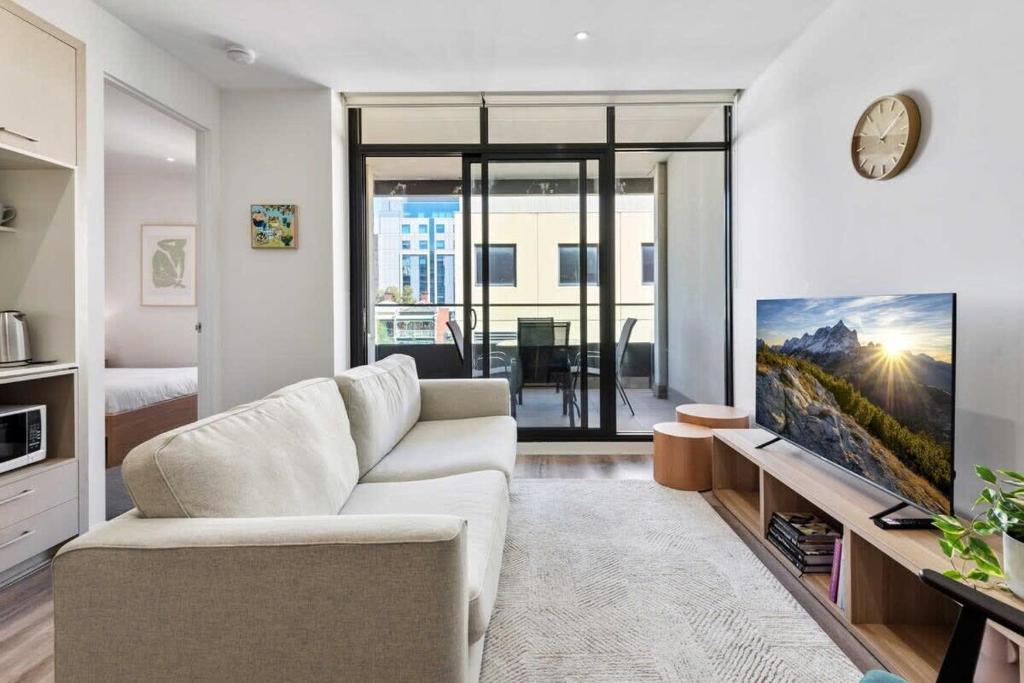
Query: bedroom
[(151, 377)]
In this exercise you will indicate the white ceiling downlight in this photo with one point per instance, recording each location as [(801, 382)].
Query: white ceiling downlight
[(582, 35), (241, 54)]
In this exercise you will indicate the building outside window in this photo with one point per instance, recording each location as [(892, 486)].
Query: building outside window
[(647, 263), (424, 244), (439, 244), (439, 228), (424, 228), (406, 244), (406, 229), (569, 264), (502, 265)]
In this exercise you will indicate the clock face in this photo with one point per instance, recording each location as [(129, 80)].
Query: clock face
[(885, 137)]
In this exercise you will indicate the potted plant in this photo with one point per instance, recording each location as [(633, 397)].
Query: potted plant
[(1000, 507)]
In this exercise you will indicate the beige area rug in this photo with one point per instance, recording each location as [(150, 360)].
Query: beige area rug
[(631, 581)]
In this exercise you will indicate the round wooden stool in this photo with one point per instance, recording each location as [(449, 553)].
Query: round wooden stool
[(682, 456), (711, 415)]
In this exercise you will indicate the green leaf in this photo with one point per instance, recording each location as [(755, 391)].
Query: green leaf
[(985, 474), (1012, 476), (984, 528), (947, 523), (953, 574), (947, 547), (977, 575), (982, 553)]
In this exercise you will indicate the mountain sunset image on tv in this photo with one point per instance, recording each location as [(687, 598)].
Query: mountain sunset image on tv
[(865, 383)]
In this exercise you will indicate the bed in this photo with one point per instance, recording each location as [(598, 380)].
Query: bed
[(144, 402)]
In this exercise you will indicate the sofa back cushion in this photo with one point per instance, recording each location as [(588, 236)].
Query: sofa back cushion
[(290, 453), (383, 402)]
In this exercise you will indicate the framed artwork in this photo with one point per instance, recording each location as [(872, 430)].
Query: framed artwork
[(168, 265), (274, 226)]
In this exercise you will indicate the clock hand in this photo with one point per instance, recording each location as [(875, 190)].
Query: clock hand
[(891, 124)]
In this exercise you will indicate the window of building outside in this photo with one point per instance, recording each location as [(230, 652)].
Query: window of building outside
[(439, 244), (569, 264), (423, 244), (647, 263), (406, 229), (406, 244), (423, 227), (439, 229), (502, 262)]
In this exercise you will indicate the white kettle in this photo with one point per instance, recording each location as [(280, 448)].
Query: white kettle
[(13, 338)]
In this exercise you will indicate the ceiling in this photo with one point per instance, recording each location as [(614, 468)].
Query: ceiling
[(139, 138), (472, 45)]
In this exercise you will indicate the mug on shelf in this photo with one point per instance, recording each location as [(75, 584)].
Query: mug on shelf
[(7, 214)]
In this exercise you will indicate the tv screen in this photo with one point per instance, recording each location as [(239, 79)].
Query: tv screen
[(865, 383)]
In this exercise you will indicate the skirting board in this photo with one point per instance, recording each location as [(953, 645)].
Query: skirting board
[(585, 448)]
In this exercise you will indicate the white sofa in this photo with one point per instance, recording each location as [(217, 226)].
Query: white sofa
[(346, 529)]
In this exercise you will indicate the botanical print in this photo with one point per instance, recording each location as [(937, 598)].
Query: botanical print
[(168, 265), (274, 226)]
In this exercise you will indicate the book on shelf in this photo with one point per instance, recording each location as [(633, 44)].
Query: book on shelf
[(814, 557), (805, 528), (796, 559), (837, 566), (805, 540)]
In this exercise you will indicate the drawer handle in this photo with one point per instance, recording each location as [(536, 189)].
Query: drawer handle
[(16, 496), (5, 129), (20, 537)]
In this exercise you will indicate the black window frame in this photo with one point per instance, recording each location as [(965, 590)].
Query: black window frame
[(478, 258)]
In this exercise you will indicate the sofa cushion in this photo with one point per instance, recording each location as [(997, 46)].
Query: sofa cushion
[(288, 454), (383, 402), (481, 498), (440, 448)]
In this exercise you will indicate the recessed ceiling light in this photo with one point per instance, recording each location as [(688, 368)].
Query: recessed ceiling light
[(582, 35), (170, 160)]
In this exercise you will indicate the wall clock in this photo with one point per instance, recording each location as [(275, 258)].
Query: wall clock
[(885, 137)]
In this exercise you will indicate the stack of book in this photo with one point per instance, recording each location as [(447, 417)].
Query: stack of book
[(805, 540)]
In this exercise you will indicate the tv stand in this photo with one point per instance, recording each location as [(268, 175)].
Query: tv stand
[(885, 606), (883, 521)]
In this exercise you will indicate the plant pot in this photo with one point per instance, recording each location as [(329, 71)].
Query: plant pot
[(1013, 564)]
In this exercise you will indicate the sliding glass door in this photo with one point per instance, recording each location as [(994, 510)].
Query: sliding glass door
[(582, 253), (535, 287)]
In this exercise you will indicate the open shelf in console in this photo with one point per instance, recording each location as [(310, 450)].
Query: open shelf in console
[(737, 485), (908, 622)]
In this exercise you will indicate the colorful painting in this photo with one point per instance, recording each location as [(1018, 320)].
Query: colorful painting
[(274, 226), (168, 265)]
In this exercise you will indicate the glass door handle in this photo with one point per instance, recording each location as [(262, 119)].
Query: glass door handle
[(472, 318)]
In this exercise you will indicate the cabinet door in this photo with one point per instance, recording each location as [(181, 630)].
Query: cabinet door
[(37, 90)]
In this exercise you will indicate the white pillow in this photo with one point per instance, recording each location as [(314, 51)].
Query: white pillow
[(383, 403)]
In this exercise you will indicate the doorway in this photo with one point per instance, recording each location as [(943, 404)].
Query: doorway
[(151, 374)]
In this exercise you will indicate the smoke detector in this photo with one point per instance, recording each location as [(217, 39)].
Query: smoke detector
[(241, 54)]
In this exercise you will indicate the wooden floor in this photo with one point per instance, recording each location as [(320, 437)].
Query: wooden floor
[(26, 608)]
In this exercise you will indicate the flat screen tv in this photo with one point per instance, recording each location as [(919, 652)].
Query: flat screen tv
[(867, 383)]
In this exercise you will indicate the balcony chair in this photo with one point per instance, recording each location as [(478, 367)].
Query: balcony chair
[(503, 365), (594, 370)]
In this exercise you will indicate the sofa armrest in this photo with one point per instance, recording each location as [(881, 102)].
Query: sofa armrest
[(453, 399), (359, 597)]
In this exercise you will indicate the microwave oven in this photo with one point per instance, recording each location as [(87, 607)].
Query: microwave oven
[(22, 436)]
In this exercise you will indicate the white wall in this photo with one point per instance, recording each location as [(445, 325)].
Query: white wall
[(807, 225), (696, 270), (112, 48), (277, 325), (137, 335)]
